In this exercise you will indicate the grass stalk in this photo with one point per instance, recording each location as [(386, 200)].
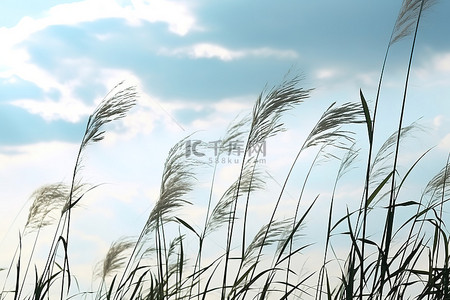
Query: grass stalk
[(392, 198)]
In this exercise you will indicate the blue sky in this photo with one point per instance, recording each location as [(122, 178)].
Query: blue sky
[(197, 64)]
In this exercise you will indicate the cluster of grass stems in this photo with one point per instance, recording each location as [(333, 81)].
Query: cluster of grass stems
[(154, 265)]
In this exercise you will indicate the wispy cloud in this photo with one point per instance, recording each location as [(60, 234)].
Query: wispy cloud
[(438, 121), (15, 60), (17, 157), (209, 50), (326, 73), (442, 62), (13, 57), (444, 143), (69, 107), (69, 110), (177, 15), (435, 70)]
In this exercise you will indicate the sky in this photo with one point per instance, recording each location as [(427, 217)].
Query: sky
[(196, 65)]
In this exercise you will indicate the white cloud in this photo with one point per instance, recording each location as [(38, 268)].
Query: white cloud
[(438, 120), (271, 52), (203, 50), (152, 113), (70, 110), (222, 113), (14, 63), (435, 70), (141, 121), (325, 73), (444, 144), (208, 50), (234, 105), (15, 60), (368, 79), (176, 14), (442, 62), (26, 156), (212, 51), (83, 11), (151, 110)]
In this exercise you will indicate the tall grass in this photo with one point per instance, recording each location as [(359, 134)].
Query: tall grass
[(408, 259)]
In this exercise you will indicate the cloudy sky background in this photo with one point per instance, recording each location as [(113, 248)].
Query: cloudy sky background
[(196, 65)]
